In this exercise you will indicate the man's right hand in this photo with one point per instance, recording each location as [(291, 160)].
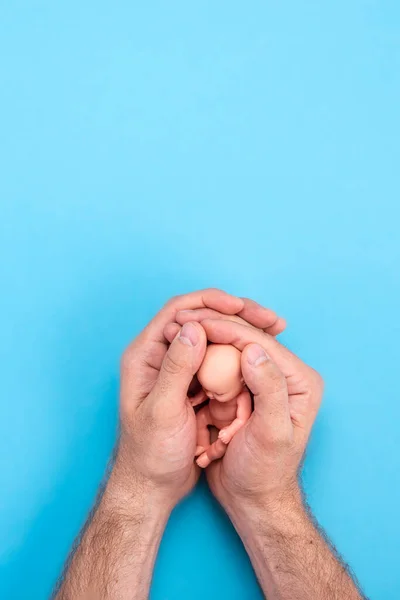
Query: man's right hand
[(262, 460), (257, 479)]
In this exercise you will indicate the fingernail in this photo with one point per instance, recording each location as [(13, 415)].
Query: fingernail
[(256, 355), (189, 334)]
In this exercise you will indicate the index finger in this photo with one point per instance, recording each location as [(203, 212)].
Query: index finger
[(252, 316), (208, 298), (228, 332), (261, 317)]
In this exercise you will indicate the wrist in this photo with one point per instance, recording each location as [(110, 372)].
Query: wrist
[(119, 544), (266, 511), (131, 495)]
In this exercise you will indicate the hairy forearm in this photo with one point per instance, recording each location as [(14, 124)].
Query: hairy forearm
[(290, 554), (115, 556)]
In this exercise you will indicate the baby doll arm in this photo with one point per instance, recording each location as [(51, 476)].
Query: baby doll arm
[(242, 415)]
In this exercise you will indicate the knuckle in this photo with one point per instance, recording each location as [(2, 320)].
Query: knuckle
[(317, 380), (320, 381), (171, 330), (181, 299), (128, 359), (175, 299)]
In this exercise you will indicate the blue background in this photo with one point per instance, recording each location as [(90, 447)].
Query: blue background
[(149, 149)]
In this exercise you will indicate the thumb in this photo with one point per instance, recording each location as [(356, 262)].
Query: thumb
[(180, 363), (268, 385)]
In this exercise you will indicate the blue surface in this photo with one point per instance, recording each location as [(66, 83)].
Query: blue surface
[(148, 149)]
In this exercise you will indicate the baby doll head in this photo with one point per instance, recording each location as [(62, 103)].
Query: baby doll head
[(220, 374)]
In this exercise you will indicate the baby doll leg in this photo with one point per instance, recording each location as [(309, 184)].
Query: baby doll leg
[(213, 452), (203, 419)]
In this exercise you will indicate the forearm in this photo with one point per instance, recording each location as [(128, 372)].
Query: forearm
[(291, 556), (116, 553)]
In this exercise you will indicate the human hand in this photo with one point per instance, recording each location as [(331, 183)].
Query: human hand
[(256, 481), (263, 458), (154, 464), (158, 426), (157, 440), (252, 315)]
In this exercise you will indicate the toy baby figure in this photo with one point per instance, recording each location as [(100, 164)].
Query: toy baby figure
[(230, 402)]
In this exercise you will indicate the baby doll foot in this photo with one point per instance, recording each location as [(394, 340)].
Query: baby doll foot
[(224, 436), (199, 450), (203, 461)]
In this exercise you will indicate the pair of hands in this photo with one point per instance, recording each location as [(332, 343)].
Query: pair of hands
[(158, 423)]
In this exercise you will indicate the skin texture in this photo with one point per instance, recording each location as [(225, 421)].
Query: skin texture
[(256, 481), (114, 555), (229, 404)]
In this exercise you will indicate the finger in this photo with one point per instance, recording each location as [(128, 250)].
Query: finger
[(210, 298), (252, 315), (184, 316), (171, 330), (180, 363), (227, 332), (277, 327), (151, 345), (257, 315), (269, 387), (200, 314)]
